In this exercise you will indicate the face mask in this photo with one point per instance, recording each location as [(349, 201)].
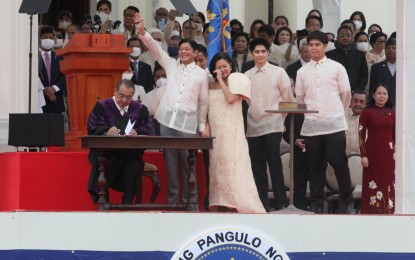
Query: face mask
[(362, 46), (64, 25), (174, 32), (58, 43), (358, 24), (161, 82), (199, 27), (173, 51), (103, 16), (136, 52), (47, 44)]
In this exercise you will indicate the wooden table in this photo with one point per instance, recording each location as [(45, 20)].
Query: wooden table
[(104, 143)]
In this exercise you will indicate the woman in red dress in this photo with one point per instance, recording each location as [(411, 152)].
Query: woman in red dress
[(377, 148)]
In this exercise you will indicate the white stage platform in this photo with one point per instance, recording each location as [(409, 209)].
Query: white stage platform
[(158, 235)]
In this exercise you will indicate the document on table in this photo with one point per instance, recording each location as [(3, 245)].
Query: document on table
[(129, 127)]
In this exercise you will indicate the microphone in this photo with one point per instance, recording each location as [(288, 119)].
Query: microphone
[(97, 19), (88, 20), (116, 24)]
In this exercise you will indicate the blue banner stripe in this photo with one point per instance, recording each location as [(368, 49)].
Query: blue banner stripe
[(159, 255)]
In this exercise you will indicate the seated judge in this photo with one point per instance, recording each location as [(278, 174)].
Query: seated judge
[(110, 117)]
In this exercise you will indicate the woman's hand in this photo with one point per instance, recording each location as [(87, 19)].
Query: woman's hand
[(218, 74), (365, 162)]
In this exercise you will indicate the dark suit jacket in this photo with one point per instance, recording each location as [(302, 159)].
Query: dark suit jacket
[(145, 76), (56, 78), (356, 66), (380, 73), (293, 68)]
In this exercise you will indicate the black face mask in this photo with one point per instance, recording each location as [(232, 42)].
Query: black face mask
[(173, 51)]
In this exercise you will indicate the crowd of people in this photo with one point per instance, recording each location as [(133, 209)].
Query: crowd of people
[(349, 76)]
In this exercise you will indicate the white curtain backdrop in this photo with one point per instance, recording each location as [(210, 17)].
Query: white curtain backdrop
[(331, 12)]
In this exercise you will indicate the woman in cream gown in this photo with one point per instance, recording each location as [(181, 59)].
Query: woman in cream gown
[(232, 186)]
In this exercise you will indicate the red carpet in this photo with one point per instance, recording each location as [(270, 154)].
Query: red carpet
[(57, 181)]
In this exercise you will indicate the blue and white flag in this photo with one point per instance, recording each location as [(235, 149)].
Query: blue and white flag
[(219, 37)]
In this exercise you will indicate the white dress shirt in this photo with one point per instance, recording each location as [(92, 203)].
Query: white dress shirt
[(324, 86), (184, 104), (269, 86)]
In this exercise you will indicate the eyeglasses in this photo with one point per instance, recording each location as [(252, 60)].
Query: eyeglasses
[(345, 35), (381, 42)]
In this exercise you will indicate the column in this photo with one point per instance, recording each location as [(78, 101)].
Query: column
[(405, 95)]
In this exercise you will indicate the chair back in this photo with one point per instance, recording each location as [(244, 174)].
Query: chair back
[(285, 161), (331, 179), (356, 169)]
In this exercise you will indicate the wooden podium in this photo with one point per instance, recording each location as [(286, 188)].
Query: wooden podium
[(93, 65)]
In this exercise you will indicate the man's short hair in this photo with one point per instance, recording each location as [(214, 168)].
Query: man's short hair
[(64, 13), (193, 44), (258, 41), (359, 92), (390, 41), (47, 29), (131, 8), (132, 39), (344, 27), (318, 35), (349, 21), (125, 82), (267, 29)]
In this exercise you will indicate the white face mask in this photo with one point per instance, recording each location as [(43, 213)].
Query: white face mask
[(358, 24), (58, 43), (103, 16), (64, 25), (175, 32), (160, 43), (136, 52), (47, 44), (162, 82), (199, 26), (362, 46)]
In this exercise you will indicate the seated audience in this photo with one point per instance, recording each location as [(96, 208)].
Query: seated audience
[(352, 114)]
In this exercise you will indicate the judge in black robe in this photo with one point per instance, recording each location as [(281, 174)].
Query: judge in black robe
[(124, 168)]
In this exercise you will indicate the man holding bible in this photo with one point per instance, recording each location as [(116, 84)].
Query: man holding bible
[(119, 115)]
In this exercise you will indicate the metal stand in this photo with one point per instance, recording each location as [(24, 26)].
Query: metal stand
[(31, 8), (291, 208)]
